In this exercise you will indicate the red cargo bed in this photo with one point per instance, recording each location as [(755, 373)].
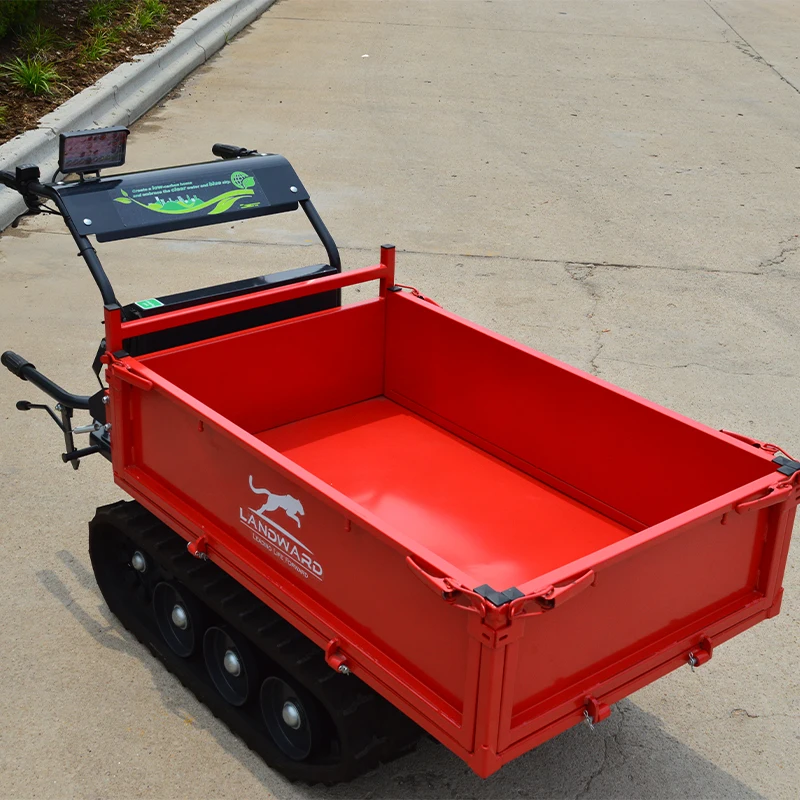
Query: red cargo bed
[(484, 516), (498, 543)]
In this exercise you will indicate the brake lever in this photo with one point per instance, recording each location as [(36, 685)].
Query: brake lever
[(26, 405), (72, 455)]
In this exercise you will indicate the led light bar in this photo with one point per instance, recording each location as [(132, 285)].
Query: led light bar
[(91, 151)]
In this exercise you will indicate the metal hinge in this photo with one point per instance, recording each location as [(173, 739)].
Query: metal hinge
[(398, 287), (512, 602), (775, 494), (199, 548), (125, 371), (595, 711), (454, 593), (548, 598), (335, 657)]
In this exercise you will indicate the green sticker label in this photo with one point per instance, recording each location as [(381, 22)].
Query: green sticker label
[(190, 196), (150, 303)]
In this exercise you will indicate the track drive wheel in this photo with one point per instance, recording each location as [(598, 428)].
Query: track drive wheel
[(231, 664), (291, 716), (256, 672), (179, 616)]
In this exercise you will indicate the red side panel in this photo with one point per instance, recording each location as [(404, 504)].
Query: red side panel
[(680, 586), (279, 373), (641, 460), (321, 567)]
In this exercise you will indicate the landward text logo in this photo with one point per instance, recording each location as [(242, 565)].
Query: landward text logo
[(275, 538)]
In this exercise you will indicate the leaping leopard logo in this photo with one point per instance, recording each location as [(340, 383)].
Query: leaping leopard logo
[(291, 505)]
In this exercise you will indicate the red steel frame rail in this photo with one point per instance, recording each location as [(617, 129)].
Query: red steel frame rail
[(117, 330)]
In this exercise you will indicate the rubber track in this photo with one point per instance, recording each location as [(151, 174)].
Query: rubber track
[(370, 729)]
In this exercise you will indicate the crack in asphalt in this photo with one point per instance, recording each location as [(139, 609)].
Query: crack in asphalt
[(584, 274), (703, 366), (493, 256), (786, 250), (745, 47), (610, 737), (743, 712), (596, 774)]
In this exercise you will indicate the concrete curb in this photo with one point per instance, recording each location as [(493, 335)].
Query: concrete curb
[(122, 96)]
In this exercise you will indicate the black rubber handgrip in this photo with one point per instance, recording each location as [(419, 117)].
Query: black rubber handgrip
[(229, 150), (14, 363), (8, 179)]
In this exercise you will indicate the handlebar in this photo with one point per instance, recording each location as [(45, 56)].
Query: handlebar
[(31, 191), (230, 150), (26, 182), (26, 371), (8, 178)]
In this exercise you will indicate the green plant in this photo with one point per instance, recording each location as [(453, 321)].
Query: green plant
[(97, 46), (33, 75), (16, 15), (156, 7), (147, 13), (101, 11), (38, 40)]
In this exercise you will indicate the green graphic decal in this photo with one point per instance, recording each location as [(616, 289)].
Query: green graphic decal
[(189, 200), (150, 303), (242, 180)]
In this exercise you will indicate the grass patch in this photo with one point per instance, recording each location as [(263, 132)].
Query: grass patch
[(38, 40), (98, 46), (51, 49), (34, 75), (100, 12), (147, 13)]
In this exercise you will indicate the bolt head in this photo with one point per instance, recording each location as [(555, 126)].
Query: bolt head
[(232, 664), (293, 189), (291, 715), (139, 562), (180, 619), (87, 222)]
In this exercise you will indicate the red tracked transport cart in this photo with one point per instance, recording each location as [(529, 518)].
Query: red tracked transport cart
[(350, 522)]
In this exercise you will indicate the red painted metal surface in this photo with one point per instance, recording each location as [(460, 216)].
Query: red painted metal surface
[(492, 521), (365, 469)]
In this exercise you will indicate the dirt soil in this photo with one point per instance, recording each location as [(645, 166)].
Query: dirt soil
[(70, 21)]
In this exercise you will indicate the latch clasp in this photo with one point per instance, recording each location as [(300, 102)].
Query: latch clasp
[(199, 548)]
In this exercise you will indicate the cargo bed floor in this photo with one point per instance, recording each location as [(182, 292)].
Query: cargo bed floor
[(484, 516)]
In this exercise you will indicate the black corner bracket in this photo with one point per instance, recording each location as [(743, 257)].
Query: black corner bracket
[(498, 598), (787, 467)]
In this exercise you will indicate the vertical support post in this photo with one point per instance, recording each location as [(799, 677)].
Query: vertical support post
[(778, 521), (496, 679), (112, 317), (387, 261)]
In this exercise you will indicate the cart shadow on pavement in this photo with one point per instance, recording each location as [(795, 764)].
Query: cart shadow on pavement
[(627, 756), (109, 632)]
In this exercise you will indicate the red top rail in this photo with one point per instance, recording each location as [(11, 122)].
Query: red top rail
[(117, 330)]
